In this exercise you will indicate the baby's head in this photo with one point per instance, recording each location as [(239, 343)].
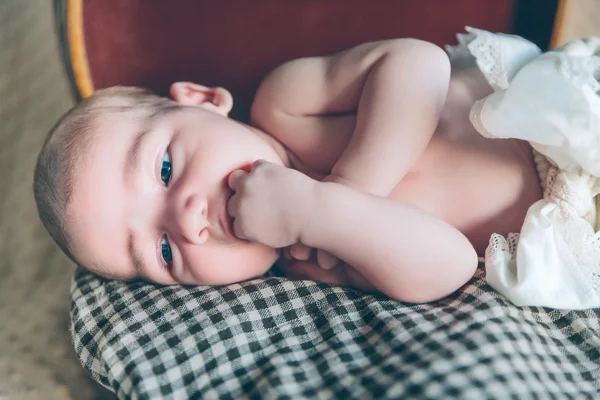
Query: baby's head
[(132, 185)]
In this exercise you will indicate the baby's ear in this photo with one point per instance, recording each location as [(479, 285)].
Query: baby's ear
[(214, 99)]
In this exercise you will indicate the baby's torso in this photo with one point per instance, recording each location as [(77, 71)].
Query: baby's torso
[(480, 186)]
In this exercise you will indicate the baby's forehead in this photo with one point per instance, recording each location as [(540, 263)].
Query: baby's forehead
[(124, 116), (118, 116), (109, 134)]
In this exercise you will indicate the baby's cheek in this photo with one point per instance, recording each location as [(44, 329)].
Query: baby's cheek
[(224, 264)]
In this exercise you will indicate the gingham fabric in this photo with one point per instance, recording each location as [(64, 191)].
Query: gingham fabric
[(275, 338)]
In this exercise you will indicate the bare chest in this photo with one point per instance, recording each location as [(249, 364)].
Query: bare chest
[(480, 186)]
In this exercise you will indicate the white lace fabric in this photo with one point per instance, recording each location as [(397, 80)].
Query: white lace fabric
[(551, 100)]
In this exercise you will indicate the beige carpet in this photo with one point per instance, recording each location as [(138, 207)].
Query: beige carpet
[(36, 357)]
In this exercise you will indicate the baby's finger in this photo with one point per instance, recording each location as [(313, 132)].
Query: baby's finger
[(326, 260), (286, 253), (237, 229), (233, 205), (300, 251), (306, 270), (235, 178)]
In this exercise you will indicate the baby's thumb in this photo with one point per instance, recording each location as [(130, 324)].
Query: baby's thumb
[(235, 178)]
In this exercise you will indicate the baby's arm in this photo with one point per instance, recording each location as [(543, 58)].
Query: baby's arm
[(396, 87), (400, 250)]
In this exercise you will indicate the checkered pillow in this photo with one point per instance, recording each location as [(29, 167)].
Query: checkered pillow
[(277, 338)]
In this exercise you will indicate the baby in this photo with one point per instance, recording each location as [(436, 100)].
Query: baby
[(375, 156)]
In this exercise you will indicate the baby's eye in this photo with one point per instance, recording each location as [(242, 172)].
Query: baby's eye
[(165, 250), (165, 169)]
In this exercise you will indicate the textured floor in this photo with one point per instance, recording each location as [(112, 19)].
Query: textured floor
[(36, 360)]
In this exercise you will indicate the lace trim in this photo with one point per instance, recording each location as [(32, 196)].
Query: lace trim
[(483, 46), (575, 221), (582, 72), (460, 57), (543, 167), (584, 244), (500, 244), (499, 57), (479, 48), (475, 118)]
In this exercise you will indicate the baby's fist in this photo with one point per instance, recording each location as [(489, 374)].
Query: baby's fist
[(270, 204)]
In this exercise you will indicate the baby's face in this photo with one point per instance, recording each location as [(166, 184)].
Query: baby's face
[(150, 199)]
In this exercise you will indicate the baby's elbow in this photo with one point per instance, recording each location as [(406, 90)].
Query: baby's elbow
[(457, 271), (428, 67), (425, 53), (436, 65), (443, 279), (463, 264), (426, 294), (420, 296)]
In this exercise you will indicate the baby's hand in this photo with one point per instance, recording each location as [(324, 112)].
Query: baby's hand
[(271, 204), (302, 252)]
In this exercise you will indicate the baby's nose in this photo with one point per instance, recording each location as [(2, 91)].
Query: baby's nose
[(192, 219)]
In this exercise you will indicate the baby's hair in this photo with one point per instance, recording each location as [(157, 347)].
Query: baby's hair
[(68, 140)]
